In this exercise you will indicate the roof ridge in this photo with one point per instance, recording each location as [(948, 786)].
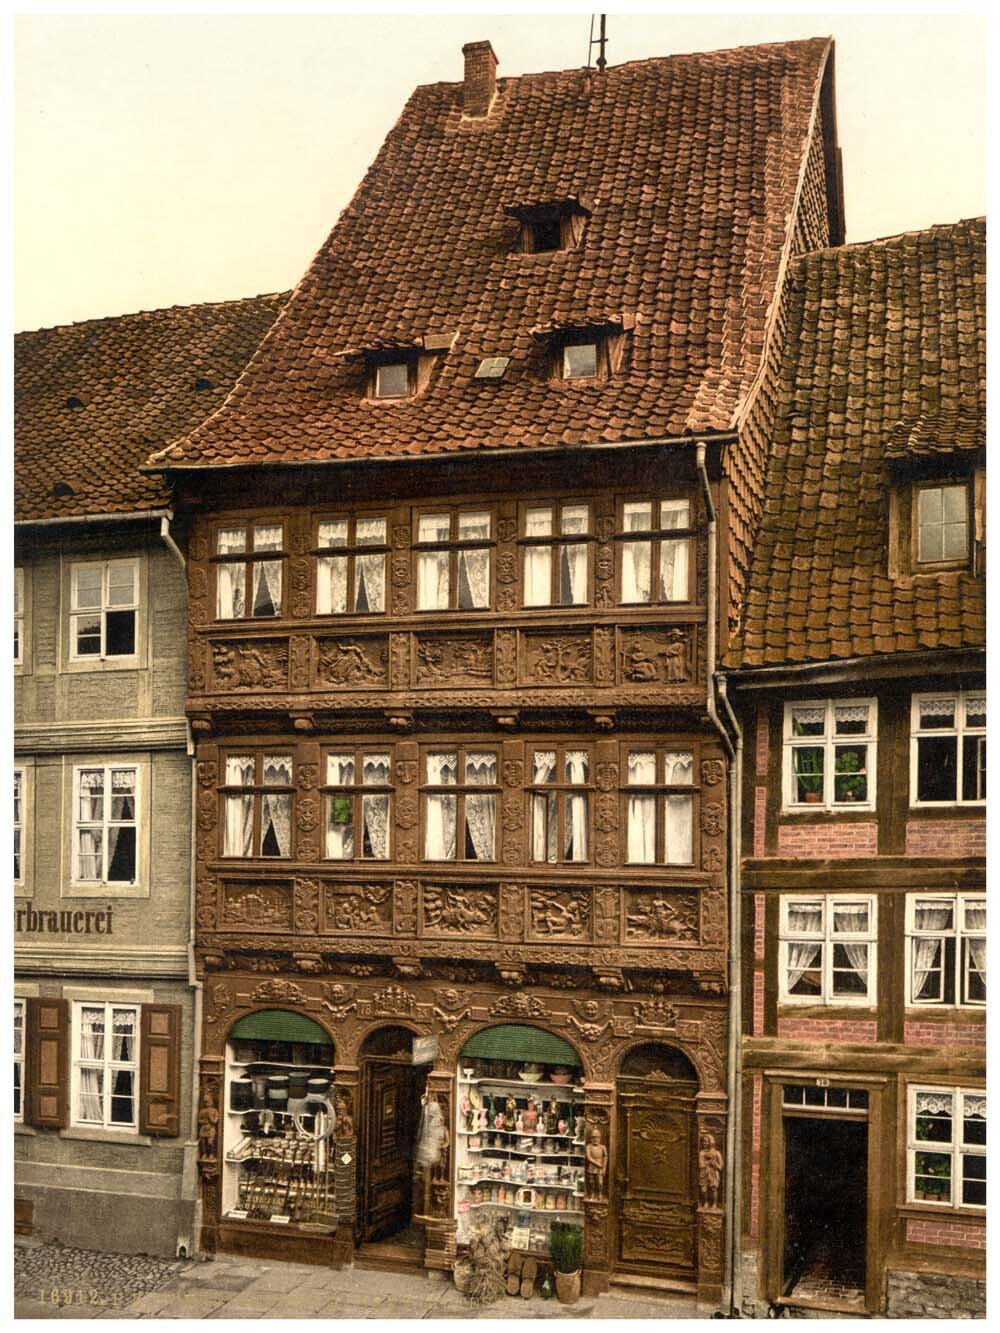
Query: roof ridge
[(935, 228), (156, 310)]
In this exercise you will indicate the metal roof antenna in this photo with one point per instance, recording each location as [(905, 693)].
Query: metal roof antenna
[(600, 41)]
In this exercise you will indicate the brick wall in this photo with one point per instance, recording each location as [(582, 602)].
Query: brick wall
[(763, 739), (824, 842), (943, 1231), (918, 1033), (755, 1136), (758, 1004), (759, 821), (828, 1029), (946, 837), (759, 908)]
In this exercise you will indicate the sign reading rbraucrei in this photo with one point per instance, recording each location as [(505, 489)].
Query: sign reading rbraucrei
[(76, 922)]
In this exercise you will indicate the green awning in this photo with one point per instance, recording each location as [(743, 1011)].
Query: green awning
[(280, 1025), (515, 1041)]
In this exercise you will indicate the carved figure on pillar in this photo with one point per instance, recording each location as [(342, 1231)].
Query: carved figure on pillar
[(710, 1165), (596, 1154), (208, 1126)]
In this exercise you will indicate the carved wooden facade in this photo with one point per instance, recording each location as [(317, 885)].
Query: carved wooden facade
[(608, 951)]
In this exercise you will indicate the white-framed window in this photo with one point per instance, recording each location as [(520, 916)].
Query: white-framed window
[(257, 805), (252, 557), (105, 824), (19, 1008), (555, 554), (19, 791), (659, 811), (946, 1146), (948, 748), (581, 360), (352, 577), (104, 605), (392, 380), (827, 949), (560, 780), (829, 754), (460, 805), (105, 1077), (18, 616), (655, 563), (454, 557), (946, 949), (942, 523), (358, 813)]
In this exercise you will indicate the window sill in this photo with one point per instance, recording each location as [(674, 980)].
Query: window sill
[(76, 665), (966, 1213), (88, 892), (851, 811), (92, 1134), (21, 1128), (952, 809), (839, 1008)]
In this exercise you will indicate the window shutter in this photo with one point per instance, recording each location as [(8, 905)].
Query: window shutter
[(47, 1064), (160, 1073)]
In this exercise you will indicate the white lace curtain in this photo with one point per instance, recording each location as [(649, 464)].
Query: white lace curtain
[(803, 955), (538, 559), (975, 920), (375, 813), (480, 820), (926, 952), (369, 583), (636, 571), (473, 579), (433, 584), (230, 578), (674, 570), (266, 587), (91, 1080), (276, 824), (679, 829), (331, 584)]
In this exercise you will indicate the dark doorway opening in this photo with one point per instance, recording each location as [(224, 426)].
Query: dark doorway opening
[(392, 1088), (826, 1210)]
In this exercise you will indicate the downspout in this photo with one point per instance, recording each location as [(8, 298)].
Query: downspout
[(189, 1180), (729, 1276)]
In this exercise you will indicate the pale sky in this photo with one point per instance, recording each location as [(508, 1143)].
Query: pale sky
[(166, 160)]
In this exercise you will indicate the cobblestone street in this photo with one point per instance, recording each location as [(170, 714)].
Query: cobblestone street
[(51, 1282)]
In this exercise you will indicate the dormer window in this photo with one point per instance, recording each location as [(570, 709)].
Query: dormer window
[(942, 523), (580, 361), (392, 380), (555, 224)]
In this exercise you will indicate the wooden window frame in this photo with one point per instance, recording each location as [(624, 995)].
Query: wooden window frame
[(20, 796), (20, 1063), (137, 823), (956, 1147), (19, 615), (356, 792), (660, 790), (257, 790), (554, 542), (350, 552), (375, 370), (829, 742), (918, 565), (957, 932), (103, 611), (655, 536), (77, 1062), (959, 730), (561, 790), (248, 558), (826, 937), (460, 790), (452, 545)]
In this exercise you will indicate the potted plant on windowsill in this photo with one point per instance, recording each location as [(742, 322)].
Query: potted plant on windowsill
[(566, 1250), (808, 776), (850, 781)]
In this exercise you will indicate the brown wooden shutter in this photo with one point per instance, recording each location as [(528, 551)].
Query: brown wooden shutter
[(47, 1063), (160, 1072)]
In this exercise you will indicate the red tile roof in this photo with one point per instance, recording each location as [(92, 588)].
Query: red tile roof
[(93, 399), (690, 164), (884, 359)]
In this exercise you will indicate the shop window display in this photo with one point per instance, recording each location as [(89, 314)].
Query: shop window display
[(281, 1124), (520, 1146)]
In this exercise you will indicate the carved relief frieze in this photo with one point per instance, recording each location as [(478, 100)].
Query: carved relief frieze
[(560, 913), (300, 661), (656, 656), (197, 585), (278, 991), (651, 914), (260, 665), (300, 582), (507, 598), (506, 529), (513, 772), (394, 1000), (557, 659), (606, 850), (460, 911), (362, 909), (591, 1019), (400, 536), (207, 772), (606, 813), (400, 602), (308, 776), (399, 570), (307, 906), (220, 1001), (511, 914), (505, 656), (257, 906), (406, 812), (656, 1012), (208, 810), (347, 662), (606, 915), (454, 660), (518, 1005), (198, 548), (399, 661), (606, 777)]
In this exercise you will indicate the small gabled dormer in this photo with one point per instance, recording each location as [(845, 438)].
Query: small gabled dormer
[(584, 352), (395, 370), (937, 486), (553, 224)]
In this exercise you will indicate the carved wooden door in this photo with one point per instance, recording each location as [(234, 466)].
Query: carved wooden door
[(656, 1179), (388, 1150)]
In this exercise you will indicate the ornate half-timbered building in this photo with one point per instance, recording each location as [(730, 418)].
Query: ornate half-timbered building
[(860, 676), (464, 546)]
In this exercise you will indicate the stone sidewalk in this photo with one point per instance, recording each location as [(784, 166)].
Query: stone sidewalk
[(230, 1287)]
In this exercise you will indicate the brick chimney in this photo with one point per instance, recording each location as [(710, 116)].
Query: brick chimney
[(480, 78)]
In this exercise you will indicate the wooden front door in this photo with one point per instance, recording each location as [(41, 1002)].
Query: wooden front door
[(656, 1218), (388, 1149)]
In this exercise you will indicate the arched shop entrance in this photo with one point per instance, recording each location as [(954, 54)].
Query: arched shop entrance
[(278, 1126), (656, 1171), (520, 1149), (392, 1102)]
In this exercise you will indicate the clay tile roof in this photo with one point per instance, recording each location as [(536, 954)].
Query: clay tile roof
[(690, 165), (884, 361), (93, 399)]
